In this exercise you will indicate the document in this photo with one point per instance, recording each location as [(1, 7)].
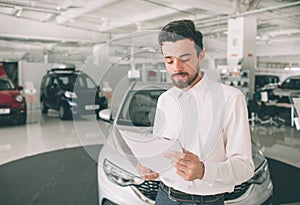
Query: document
[(150, 150)]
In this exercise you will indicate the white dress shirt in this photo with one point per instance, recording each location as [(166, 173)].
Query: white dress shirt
[(211, 121)]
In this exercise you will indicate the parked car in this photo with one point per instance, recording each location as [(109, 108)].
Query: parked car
[(266, 82), (118, 180), (286, 89), (70, 92), (12, 103)]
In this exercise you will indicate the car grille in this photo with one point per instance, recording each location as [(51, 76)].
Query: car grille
[(239, 190), (149, 189)]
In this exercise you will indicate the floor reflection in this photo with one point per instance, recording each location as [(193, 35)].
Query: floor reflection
[(281, 143)]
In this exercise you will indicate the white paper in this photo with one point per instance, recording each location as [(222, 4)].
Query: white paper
[(150, 150)]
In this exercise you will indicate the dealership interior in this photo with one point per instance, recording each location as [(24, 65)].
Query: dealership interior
[(66, 70)]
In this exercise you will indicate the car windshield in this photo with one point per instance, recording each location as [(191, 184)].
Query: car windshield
[(77, 81), (139, 108), (6, 84), (291, 83)]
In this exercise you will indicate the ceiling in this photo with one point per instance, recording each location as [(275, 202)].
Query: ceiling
[(68, 30)]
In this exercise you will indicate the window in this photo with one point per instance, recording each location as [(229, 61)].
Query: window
[(6, 84), (291, 83), (139, 108)]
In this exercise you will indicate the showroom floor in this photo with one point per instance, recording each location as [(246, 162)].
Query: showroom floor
[(48, 133)]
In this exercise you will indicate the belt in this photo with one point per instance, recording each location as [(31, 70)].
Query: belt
[(179, 196)]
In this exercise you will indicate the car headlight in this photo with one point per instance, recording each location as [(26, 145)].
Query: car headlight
[(120, 176), (261, 174), (19, 98), (69, 94), (72, 104)]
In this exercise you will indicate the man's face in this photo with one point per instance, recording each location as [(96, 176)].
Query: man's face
[(182, 62)]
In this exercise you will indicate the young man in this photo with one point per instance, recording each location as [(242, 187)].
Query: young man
[(208, 118)]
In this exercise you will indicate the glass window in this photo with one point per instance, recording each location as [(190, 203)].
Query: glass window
[(291, 83), (6, 84), (139, 108), (262, 80), (90, 83), (69, 81)]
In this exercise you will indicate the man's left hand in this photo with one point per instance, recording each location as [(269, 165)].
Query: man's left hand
[(187, 164)]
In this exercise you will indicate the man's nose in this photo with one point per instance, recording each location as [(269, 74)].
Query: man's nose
[(178, 65)]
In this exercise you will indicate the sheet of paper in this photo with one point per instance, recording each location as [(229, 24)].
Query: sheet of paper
[(150, 150)]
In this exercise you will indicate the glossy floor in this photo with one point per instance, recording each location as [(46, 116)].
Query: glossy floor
[(47, 133)]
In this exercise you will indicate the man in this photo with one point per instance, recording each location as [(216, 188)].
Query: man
[(209, 118)]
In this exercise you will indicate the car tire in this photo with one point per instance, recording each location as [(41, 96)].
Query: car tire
[(44, 107), (63, 113)]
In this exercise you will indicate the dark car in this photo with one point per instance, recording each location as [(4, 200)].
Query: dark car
[(70, 92), (266, 82), (12, 103)]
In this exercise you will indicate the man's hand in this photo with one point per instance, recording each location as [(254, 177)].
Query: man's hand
[(146, 173), (187, 165)]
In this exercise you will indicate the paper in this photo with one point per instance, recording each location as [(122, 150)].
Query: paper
[(150, 150)]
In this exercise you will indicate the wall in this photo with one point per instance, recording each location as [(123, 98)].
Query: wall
[(281, 59), (32, 72)]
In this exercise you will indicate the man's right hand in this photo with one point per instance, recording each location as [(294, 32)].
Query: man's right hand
[(146, 173)]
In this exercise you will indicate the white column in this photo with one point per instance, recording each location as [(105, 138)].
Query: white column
[(241, 46)]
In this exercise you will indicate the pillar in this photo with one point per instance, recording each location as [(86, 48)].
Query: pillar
[(241, 46)]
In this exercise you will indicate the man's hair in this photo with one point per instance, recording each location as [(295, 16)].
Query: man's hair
[(182, 29)]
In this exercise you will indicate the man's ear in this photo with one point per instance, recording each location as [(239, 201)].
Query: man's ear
[(202, 56)]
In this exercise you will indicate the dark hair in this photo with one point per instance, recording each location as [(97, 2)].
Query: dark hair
[(182, 29)]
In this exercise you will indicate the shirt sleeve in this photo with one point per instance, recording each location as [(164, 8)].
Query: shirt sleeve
[(238, 166)]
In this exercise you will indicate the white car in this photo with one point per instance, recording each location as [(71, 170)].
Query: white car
[(286, 89), (118, 180)]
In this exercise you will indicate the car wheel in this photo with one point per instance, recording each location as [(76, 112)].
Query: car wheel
[(44, 107), (63, 113)]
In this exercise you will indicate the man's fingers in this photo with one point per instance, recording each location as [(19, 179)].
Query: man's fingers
[(143, 170), (151, 176), (146, 173)]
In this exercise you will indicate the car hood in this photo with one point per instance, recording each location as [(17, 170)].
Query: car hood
[(116, 151), (257, 156), (8, 94)]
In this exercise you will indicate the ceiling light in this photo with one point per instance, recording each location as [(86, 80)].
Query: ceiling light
[(138, 25), (19, 12), (48, 17)]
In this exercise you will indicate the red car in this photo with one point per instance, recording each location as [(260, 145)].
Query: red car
[(12, 103)]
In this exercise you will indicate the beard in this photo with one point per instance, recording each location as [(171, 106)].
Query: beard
[(184, 83)]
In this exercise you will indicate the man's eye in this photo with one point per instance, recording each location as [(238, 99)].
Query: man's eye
[(185, 60)]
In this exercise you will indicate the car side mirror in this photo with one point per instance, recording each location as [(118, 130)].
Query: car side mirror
[(106, 115), (20, 87)]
